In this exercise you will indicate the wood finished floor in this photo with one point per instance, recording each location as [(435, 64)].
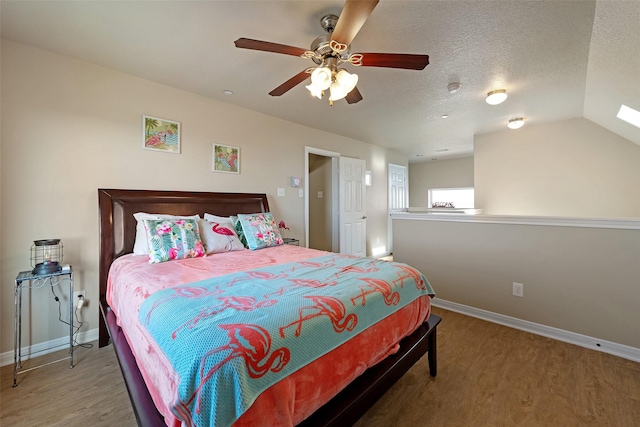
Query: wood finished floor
[(488, 375)]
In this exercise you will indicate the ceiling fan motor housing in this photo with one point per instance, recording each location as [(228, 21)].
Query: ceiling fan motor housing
[(321, 45), (329, 22)]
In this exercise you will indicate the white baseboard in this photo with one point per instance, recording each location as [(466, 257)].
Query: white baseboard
[(620, 350), (609, 347), (40, 349)]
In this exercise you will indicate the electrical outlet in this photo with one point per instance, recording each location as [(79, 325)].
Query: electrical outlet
[(518, 289), (76, 298)]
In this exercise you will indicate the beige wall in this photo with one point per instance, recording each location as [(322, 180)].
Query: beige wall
[(577, 279), (70, 127), (452, 173), (570, 168)]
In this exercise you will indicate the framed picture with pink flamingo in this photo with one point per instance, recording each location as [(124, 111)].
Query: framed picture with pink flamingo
[(160, 134), (226, 158)]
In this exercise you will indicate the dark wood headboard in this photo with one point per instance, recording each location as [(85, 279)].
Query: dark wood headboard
[(118, 226)]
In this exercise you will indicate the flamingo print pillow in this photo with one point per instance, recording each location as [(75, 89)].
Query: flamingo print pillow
[(141, 246), (171, 239), (235, 223), (219, 235), (261, 230)]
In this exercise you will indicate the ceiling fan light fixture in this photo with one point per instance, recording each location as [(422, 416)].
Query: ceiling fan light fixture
[(315, 91), (337, 92), (516, 123), (346, 80), (496, 97), (321, 78), (343, 83)]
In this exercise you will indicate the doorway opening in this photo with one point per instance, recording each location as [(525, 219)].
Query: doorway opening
[(321, 199)]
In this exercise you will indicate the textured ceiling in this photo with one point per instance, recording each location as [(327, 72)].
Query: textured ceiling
[(557, 60)]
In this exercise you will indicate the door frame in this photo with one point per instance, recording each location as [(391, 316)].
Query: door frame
[(335, 226)]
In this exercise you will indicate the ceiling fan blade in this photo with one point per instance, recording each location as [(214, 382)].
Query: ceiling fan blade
[(354, 96), (395, 60), (352, 18), (290, 84), (269, 47)]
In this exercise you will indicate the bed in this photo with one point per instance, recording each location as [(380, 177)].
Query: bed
[(117, 235)]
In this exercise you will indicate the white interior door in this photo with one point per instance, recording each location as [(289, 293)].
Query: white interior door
[(398, 195), (353, 215)]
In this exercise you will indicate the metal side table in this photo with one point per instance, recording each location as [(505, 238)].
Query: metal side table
[(36, 281)]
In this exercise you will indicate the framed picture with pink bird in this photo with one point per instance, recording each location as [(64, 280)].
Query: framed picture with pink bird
[(226, 158), (160, 134)]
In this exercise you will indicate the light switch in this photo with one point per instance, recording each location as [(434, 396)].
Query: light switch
[(301, 193), (320, 195), (280, 192)]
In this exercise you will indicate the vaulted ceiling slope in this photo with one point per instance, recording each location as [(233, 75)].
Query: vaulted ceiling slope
[(557, 60)]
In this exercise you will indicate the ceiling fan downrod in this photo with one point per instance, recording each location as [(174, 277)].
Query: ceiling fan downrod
[(328, 22)]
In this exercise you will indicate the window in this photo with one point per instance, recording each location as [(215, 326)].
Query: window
[(451, 198)]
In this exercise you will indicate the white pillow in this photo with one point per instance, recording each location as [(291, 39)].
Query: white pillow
[(141, 244), (215, 218), (219, 236)]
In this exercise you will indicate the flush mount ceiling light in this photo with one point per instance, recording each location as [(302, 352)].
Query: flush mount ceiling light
[(496, 97), (516, 123)]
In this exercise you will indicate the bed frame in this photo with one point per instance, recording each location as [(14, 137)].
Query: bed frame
[(117, 235)]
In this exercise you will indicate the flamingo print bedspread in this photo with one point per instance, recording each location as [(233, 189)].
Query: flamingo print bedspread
[(246, 331)]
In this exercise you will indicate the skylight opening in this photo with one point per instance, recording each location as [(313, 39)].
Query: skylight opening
[(629, 115)]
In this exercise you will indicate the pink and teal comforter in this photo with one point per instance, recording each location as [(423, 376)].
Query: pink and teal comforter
[(132, 280), (230, 338)]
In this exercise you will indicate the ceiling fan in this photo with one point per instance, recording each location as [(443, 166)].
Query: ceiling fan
[(332, 50)]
